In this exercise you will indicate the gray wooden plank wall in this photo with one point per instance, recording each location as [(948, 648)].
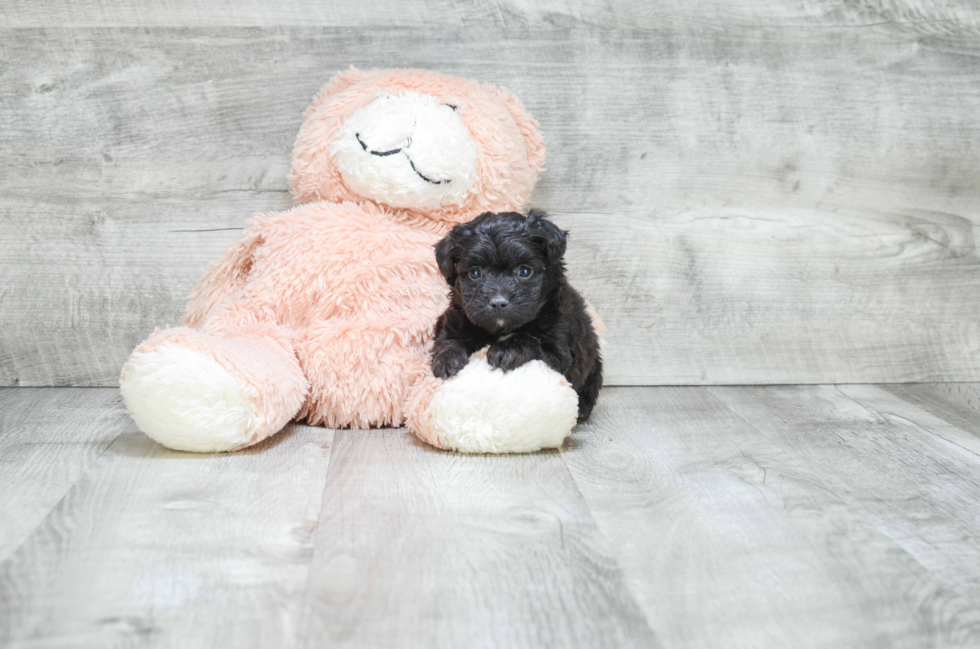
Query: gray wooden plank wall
[(768, 191)]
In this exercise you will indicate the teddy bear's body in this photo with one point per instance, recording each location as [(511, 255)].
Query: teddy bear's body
[(353, 287), (326, 312)]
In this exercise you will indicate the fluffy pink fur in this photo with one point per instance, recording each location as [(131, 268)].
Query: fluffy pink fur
[(325, 311)]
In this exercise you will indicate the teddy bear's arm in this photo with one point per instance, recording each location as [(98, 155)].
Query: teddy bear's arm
[(225, 277), (597, 324)]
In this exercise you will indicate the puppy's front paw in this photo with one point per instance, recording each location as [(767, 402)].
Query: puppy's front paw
[(510, 354), (447, 361)]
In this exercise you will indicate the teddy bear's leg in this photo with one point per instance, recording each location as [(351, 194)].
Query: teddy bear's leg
[(359, 372), (195, 391), (485, 410)]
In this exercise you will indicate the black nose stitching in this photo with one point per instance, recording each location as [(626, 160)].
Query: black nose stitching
[(380, 154)]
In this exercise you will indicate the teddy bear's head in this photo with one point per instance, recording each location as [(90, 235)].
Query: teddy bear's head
[(435, 144)]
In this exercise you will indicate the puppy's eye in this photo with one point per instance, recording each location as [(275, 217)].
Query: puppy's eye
[(476, 273), (524, 272)]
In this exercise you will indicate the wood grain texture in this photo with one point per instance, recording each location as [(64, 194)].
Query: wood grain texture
[(441, 550), (729, 539), (961, 432), (950, 16), (86, 282), (777, 117), (781, 296), (831, 144), (160, 548), (957, 403), (48, 438), (914, 487), (771, 516)]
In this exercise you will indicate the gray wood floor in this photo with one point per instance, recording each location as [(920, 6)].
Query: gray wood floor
[(816, 516)]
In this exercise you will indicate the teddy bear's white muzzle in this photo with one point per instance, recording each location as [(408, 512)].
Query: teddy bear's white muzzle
[(409, 151)]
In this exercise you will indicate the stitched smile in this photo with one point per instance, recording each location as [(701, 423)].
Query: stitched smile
[(382, 154)]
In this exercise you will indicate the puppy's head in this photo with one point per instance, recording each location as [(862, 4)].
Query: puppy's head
[(503, 267)]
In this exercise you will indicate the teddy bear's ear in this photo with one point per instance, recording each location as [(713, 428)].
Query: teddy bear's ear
[(339, 82), (547, 235), (533, 140)]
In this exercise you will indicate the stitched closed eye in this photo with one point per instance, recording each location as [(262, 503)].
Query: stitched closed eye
[(380, 154)]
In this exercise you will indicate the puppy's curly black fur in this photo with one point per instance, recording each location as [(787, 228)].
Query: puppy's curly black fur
[(509, 291)]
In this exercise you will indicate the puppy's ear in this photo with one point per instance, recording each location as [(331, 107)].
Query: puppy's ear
[(546, 234), (447, 255)]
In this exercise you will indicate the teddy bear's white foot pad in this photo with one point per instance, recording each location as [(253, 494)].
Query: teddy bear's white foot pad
[(186, 401), (484, 410)]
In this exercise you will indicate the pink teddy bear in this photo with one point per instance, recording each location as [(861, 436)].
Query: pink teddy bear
[(325, 312)]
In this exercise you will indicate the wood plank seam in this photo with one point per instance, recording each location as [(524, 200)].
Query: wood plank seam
[(82, 475), (963, 439), (961, 594), (307, 611)]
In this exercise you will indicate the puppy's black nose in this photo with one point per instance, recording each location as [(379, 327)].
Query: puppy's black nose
[(499, 302)]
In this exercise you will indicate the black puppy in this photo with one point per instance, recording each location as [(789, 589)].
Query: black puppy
[(509, 291)]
